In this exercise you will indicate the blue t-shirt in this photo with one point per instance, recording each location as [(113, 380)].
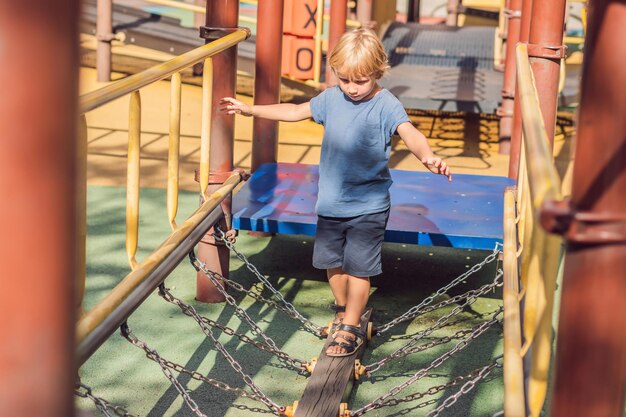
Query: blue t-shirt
[(354, 176)]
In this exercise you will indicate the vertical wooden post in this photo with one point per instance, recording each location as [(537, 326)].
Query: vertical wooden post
[(267, 79), (591, 348), (220, 14), (38, 120)]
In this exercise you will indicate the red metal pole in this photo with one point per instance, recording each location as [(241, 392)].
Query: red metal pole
[(516, 134), (38, 119), (545, 51), (220, 14), (590, 377), (338, 16), (267, 79), (514, 14)]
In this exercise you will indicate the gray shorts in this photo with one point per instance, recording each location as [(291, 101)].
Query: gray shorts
[(351, 243)]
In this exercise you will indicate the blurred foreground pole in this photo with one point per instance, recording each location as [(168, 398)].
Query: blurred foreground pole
[(38, 120), (591, 347)]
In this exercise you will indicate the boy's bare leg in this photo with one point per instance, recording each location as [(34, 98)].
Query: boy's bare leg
[(358, 290), (338, 281)]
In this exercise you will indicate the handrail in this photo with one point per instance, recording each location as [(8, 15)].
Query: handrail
[(95, 326), (543, 177), (514, 403), (158, 72), (102, 320), (542, 253)]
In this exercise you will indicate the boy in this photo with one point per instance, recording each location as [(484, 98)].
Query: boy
[(359, 118)]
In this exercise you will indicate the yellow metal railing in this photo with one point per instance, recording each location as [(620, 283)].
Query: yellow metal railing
[(88, 324), (531, 257), (514, 405)]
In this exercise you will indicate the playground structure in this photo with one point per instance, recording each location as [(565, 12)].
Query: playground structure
[(591, 225)]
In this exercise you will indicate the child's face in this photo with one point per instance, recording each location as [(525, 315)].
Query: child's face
[(359, 88)]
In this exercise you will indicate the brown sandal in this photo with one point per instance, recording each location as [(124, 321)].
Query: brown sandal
[(352, 342), (332, 326)]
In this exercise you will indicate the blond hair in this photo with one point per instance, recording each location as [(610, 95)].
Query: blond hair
[(359, 53)]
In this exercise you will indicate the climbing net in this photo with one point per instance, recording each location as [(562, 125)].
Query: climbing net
[(417, 342)]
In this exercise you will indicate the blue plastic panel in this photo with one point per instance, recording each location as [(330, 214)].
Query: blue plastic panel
[(426, 209)]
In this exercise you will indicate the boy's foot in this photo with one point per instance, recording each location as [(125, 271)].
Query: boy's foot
[(346, 340)]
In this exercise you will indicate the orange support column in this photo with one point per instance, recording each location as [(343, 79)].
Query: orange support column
[(545, 52), (221, 16), (516, 134), (338, 16), (267, 79), (38, 120), (590, 361)]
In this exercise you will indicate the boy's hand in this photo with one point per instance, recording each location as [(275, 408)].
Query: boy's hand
[(234, 106), (437, 166)]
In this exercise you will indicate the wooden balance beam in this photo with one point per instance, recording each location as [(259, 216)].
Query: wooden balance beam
[(331, 380)]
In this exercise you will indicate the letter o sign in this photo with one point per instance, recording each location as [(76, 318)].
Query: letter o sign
[(304, 59)]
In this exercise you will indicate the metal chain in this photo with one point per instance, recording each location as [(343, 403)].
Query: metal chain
[(419, 309), (235, 365), (101, 404), (288, 306), (294, 363), (167, 365), (477, 331), (467, 387), (154, 355), (199, 377), (311, 327), (408, 348), (214, 278), (473, 294), (438, 388)]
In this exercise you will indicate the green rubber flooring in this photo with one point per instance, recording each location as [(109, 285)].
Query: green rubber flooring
[(121, 374)]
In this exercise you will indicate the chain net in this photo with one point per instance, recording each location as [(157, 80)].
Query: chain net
[(464, 337)]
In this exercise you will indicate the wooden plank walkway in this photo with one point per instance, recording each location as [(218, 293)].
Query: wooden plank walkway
[(331, 381)]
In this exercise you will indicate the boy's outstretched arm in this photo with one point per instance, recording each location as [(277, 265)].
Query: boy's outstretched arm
[(418, 145), (284, 112)]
